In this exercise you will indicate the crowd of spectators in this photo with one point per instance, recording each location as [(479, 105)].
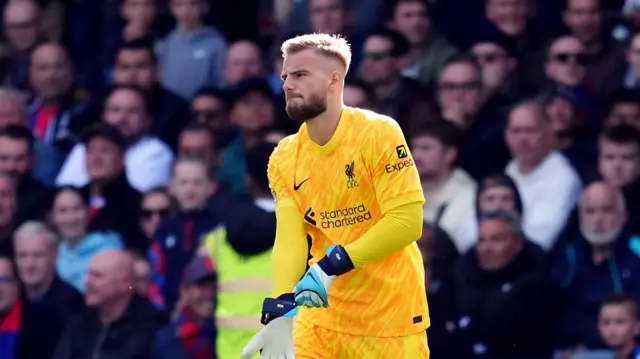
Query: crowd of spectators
[(130, 130)]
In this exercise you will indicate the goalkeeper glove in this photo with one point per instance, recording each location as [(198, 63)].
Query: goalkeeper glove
[(275, 340), (313, 289)]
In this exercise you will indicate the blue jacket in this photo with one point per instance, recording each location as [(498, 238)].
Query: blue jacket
[(585, 284)]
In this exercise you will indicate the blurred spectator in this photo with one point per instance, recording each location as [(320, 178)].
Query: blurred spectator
[(192, 55), (462, 101), (192, 331), (624, 108), (16, 159), (8, 213), (210, 107), (46, 159), (156, 206), (603, 259), (36, 254), (385, 54), (78, 242), (549, 186), (252, 111), (117, 323), (503, 291), (566, 68), (178, 237), (148, 160), (629, 78), (357, 94), (244, 60), (619, 165), (137, 65), (57, 114), (450, 189), (197, 141), (22, 31), (618, 324), (142, 274), (26, 331), (112, 200)]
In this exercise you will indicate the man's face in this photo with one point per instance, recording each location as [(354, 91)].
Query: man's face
[(191, 186), (35, 259), (509, 16), (460, 86), (526, 135), (497, 246), (126, 111), (243, 61), (561, 114), (200, 297), (412, 21), (101, 285), (104, 159), (495, 62), (627, 113), (619, 163), (253, 112), (155, 208), (15, 157), (601, 217), (197, 144), (378, 65), (21, 25), (617, 325), (10, 113), (430, 156), (307, 82), (140, 11), (496, 198), (210, 111), (567, 62), (8, 204), (135, 68), (188, 12), (327, 16), (584, 19), (9, 286), (50, 72), (355, 96), (633, 54)]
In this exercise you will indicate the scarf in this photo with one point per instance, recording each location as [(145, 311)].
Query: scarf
[(9, 328), (197, 339)]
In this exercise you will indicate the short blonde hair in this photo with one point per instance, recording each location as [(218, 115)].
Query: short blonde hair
[(334, 46)]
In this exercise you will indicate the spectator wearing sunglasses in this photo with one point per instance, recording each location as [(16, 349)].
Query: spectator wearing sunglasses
[(156, 206), (566, 68)]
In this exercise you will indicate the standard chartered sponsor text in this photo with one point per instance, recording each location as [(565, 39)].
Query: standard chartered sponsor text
[(344, 217)]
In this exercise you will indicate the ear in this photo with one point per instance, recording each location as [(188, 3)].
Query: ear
[(336, 81)]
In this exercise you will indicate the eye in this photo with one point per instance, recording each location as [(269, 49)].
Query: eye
[(299, 75)]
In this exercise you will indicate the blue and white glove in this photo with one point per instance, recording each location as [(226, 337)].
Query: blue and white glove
[(275, 340), (313, 289)]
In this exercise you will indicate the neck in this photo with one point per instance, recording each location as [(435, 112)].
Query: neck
[(37, 290), (527, 167), (600, 253), (433, 184), (593, 46), (187, 28), (114, 310), (52, 101), (73, 241), (626, 350), (95, 189), (322, 128), (384, 90)]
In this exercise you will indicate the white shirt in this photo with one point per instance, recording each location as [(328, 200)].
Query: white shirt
[(549, 194), (148, 164)]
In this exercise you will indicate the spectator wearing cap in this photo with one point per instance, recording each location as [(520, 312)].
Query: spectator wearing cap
[(623, 108), (17, 158), (116, 322), (36, 254), (112, 200), (252, 112), (148, 160), (601, 259), (8, 213), (46, 159), (547, 182), (137, 65), (78, 240), (192, 333), (503, 291), (27, 331)]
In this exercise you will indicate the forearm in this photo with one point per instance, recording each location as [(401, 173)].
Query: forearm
[(398, 228), (290, 251)]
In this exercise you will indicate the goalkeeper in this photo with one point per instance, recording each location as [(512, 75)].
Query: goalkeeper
[(345, 184)]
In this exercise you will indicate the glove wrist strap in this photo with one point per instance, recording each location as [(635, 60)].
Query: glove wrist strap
[(336, 262), (276, 308)]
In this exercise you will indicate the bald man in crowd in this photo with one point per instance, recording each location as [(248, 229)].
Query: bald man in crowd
[(126, 322), (244, 59)]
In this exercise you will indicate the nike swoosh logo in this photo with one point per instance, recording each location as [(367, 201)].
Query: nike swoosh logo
[(297, 186)]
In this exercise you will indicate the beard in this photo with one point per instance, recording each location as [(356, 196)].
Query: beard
[(307, 110), (598, 238)]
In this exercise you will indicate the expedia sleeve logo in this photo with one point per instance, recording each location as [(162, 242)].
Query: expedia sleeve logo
[(399, 166)]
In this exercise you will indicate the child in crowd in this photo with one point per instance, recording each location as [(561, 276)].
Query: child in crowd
[(619, 326)]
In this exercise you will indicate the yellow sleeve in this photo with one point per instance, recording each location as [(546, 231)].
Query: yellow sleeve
[(399, 227), (290, 250)]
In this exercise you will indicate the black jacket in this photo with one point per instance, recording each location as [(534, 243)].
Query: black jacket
[(130, 337), (61, 299), (38, 334)]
